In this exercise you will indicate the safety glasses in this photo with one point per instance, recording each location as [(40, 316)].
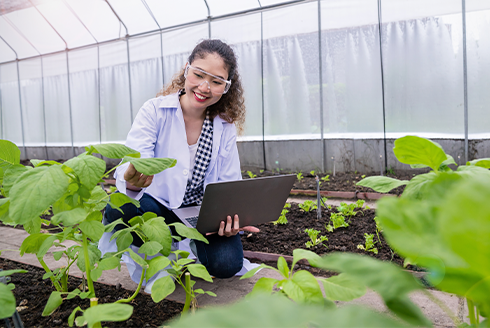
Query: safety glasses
[(197, 76)]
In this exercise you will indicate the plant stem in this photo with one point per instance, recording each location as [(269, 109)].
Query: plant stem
[(443, 307), (188, 296), (471, 311), (127, 300), (46, 268), (64, 282), (87, 270)]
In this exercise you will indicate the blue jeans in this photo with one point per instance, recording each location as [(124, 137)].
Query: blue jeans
[(222, 257)]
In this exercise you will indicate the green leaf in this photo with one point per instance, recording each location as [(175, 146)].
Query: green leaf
[(35, 191), (71, 318), (11, 272), (45, 246), (381, 183), (481, 162), (417, 187), (93, 229), (113, 150), (157, 230), (299, 254), (95, 274), (303, 288), (93, 255), (57, 255), (151, 166), (199, 270), (110, 227), (282, 266), (71, 217), (33, 226), (109, 263), (119, 199), (107, 312), (7, 299), (137, 258), (89, 169), (342, 288), (124, 240), (9, 154), (252, 272), (32, 243), (11, 174), (263, 286), (156, 264), (74, 293), (150, 248), (162, 288), (187, 232), (48, 275), (4, 210), (39, 162), (416, 150), (54, 301)]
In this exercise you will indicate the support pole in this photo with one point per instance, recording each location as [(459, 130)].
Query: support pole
[(262, 83), (465, 80), (382, 85), (320, 76), (209, 19)]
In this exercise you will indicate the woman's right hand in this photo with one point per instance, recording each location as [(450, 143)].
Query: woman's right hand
[(136, 180)]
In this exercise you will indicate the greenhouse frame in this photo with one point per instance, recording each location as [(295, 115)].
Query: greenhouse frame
[(329, 85)]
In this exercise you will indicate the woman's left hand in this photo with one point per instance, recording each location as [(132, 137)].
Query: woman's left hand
[(231, 228)]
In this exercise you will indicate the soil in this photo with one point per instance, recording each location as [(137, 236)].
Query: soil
[(283, 239), (33, 292), (342, 181)]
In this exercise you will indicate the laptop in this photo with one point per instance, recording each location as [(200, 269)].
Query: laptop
[(256, 201)]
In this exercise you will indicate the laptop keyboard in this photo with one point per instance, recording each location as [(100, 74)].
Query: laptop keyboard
[(192, 220)]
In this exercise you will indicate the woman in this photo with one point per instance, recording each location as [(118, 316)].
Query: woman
[(194, 120)]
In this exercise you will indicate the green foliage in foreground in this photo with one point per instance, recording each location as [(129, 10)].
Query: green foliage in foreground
[(7, 299)]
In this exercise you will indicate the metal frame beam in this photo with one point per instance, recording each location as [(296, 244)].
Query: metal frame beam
[(465, 82)]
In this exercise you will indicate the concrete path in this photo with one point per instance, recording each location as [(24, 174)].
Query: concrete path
[(227, 290)]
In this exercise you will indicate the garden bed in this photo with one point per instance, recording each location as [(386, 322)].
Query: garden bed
[(283, 239), (32, 292)]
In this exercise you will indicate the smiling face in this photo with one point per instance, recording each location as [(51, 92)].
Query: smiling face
[(199, 97)]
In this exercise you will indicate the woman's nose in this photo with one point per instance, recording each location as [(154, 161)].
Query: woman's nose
[(203, 87)]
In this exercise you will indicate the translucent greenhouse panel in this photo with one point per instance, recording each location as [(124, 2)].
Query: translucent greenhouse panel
[(243, 34), (171, 13), (478, 54), (134, 15), (223, 7), (31, 83), (423, 69), (6, 54), (10, 107), (84, 96), (66, 23), (35, 28), (291, 79), (56, 100), (116, 116), (146, 69), (98, 18), (15, 40), (177, 46), (351, 72)]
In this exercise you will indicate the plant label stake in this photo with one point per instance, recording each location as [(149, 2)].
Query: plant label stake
[(381, 165), (333, 159), (318, 199)]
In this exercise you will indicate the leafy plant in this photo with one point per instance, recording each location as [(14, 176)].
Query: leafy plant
[(312, 172), (282, 218), (325, 178), (251, 175), (308, 205), (363, 176), (338, 221), (369, 244), (261, 171), (72, 192), (314, 239), (378, 229), (299, 176), (7, 298)]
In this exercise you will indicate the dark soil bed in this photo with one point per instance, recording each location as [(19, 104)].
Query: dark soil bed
[(33, 292), (342, 181), (283, 239)]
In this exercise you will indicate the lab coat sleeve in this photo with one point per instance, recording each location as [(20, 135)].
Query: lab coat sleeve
[(228, 159)]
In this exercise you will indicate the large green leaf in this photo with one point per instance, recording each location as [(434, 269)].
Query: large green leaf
[(282, 266), (157, 230), (162, 288), (118, 199), (11, 175), (151, 166), (416, 188), (89, 169), (138, 259), (107, 312), (9, 154), (381, 183), (124, 240), (187, 232), (481, 162), (199, 270), (93, 255), (7, 299), (303, 287), (71, 217), (35, 191), (109, 263), (113, 150), (342, 288), (150, 248), (416, 150), (93, 229), (263, 285), (54, 301), (299, 254), (4, 210), (32, 243), (45, 246), (156, 264), (277, 311)]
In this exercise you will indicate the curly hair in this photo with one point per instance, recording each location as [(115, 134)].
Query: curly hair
[(231, 106)]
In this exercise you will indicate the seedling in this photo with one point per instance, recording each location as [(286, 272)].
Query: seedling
[(251, 175), (326, 178), (314, 239), (338, 220), (312, 172), (363, 176), (308, 205), (299, 176), (369, 244), (261, 171), (378, 229), (282, 218)]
